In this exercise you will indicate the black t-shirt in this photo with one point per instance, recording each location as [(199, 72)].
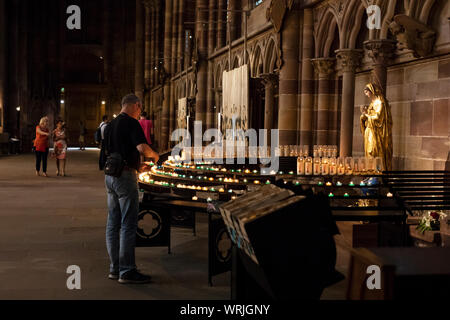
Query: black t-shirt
[(126, 133)]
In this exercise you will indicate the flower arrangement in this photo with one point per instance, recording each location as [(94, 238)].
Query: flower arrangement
[(430, 221)]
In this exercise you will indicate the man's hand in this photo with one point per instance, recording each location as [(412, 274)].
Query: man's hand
[(145, 150)]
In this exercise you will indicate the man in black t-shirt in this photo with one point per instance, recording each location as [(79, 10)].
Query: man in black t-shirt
[(124, 135)]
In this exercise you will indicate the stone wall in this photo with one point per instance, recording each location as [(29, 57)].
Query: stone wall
[(418, 93), (2, 63)]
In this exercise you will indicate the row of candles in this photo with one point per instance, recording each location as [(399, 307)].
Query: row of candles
[(338, 166), (243, 150), (204, 178)]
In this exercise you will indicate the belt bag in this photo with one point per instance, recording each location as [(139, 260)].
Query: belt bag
[(114, 165)]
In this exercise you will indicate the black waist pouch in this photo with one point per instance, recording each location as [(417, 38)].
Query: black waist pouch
[(114, 165)]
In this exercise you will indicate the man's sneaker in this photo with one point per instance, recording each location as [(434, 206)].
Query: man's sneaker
[(134, 276), (113, 276)]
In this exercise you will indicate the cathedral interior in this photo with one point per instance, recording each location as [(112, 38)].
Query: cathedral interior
[(308, 64)]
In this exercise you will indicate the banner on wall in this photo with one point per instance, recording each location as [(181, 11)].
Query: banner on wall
[(182, 113), (235, 93)]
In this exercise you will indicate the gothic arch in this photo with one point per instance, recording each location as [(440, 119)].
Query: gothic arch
[(271, 57), (257, 64), (325, 33)]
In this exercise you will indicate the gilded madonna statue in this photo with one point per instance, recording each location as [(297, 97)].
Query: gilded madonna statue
[(376, 126)]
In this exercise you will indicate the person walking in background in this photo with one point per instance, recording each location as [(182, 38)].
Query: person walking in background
[(41, 146), (83, 132), (60, 147), (99, 138), (147, 127), (124, 136)]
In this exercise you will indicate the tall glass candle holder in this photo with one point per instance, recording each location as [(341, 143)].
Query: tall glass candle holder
[(378, 165), (349, 165), (316, 166), (340, 166), (333, 166), (315, 151), (325, 166), (321, 150), (305, 151), (300, 165), (308, 166), (362, 165), (370, 163)]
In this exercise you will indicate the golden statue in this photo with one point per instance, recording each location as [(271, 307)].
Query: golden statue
[(376, 126)]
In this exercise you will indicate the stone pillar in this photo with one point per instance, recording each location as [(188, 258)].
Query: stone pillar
[(221, 23), (166, 72), (2, 62), (174, 63), (232, 5), (181, 36), (13, 61), (202, 64), (324, 67), (149, 45), (140, 50), (287, 112), (307, 85), (151, 63), (380, 51), (270, 83), (211, 39), (349, 60), (157, 50)]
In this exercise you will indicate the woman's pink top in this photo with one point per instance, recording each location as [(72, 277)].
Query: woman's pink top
[(147, 125)]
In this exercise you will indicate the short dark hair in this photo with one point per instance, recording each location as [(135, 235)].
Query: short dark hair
[(105, 117), (144, 114), (130, 99)]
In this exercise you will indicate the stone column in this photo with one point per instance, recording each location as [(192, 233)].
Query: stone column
[(287, 112), (149, 45), (180, 49), (166, 72), (2, 61), (174, 63), (270, 83), (12, 65), (307, 85), (157, 50), (141, 50), (380, 51), (221, 23), (324, 67), (232, 5), (349, 60), (150, 57), (202, 64), (211, 39)]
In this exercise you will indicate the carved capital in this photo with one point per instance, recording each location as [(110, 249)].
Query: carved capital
[(413, 35), (269, 79), (380, 51), (349, 59), (323, 66)]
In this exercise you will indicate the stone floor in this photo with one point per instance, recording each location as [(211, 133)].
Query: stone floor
[(50, 223)]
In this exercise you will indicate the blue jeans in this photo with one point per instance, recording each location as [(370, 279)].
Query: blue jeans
[(123, 209)]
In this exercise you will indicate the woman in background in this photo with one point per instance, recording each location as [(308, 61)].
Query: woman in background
[(60, 147), (41, 146), (147, 127)]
